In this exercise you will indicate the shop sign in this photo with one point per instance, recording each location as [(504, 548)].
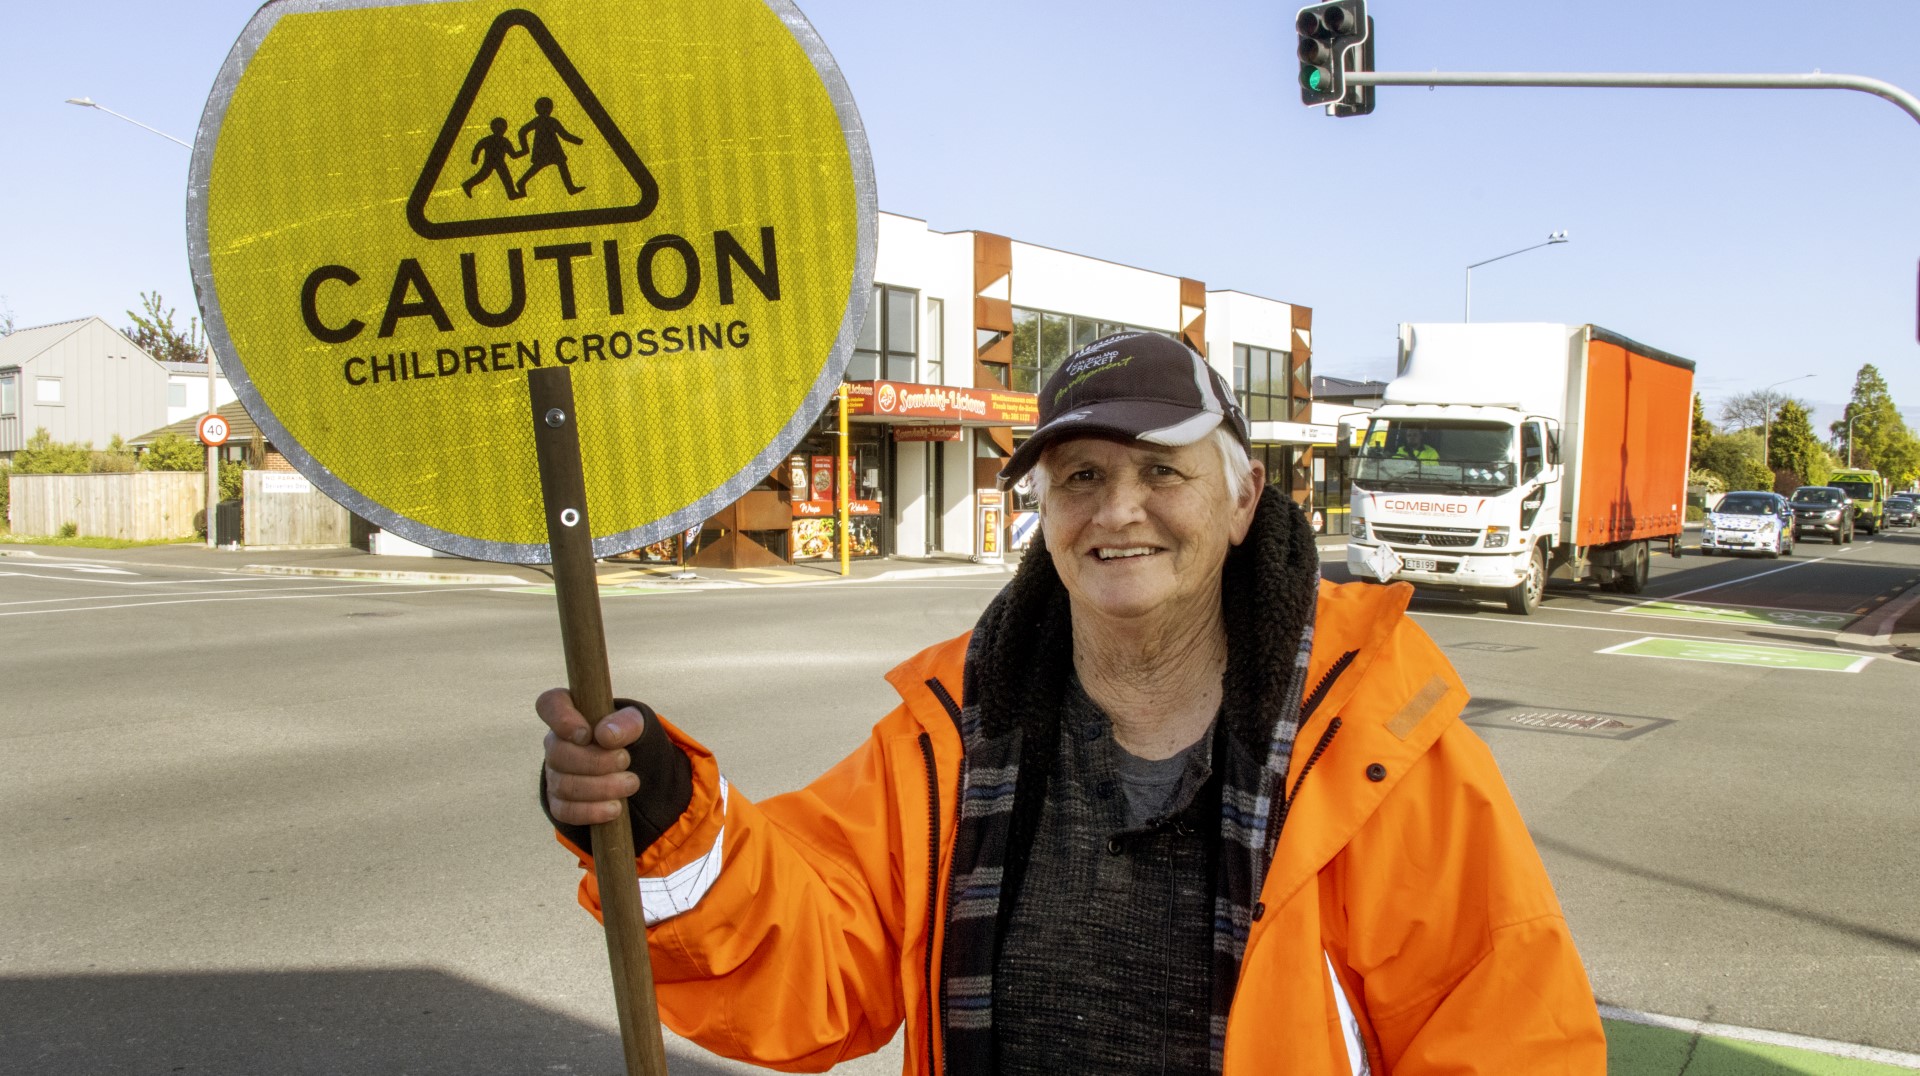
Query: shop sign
[(989, 510), (810, 509), (398, 209), (927, 433), (981, 407)]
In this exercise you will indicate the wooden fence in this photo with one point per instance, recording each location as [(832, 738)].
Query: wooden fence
[(283, 509), (140, 506)]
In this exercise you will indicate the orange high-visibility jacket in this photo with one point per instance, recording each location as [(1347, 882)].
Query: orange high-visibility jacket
[(1405, 926)]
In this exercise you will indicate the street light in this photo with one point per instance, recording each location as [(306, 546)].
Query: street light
[(1552, 238), (213, 402), (1766, 427), (1850, 418), (88, 102)]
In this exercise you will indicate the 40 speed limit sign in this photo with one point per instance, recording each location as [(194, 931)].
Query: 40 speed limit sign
[(213, 431), (399, 211)]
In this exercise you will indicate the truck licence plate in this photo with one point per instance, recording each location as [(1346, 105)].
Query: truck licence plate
[(1421, 564)]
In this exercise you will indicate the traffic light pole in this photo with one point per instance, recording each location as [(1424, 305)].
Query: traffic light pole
[(1816, 81)]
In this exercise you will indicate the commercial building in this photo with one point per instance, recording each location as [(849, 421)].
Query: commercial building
[(963, 329)]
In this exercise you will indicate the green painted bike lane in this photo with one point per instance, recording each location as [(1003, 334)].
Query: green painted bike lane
[(1641, 1050), (1732, 653), (1744, 614)]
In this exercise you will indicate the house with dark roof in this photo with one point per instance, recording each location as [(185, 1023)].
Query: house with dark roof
[(82, 381)]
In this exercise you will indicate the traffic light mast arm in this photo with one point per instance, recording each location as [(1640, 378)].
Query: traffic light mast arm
[(1816, 81)]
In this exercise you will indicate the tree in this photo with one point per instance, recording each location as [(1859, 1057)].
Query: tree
[(1793, 448), (1899, 459), (1750, 410), (1877, 427), (154, 331), (1702, 429), (174, 452), (6, 317), (1735, 458), (43, 455)]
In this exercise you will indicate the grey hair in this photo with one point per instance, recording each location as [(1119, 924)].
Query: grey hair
[(1234, 463)]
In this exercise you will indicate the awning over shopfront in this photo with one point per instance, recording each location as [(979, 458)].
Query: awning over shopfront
[(948, 405)]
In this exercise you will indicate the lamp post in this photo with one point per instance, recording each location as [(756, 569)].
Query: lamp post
[(213, 401), (1766, 426), (1850, 418), (1552, 238)]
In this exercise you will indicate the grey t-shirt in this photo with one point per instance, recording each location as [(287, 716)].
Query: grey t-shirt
[(1153, 787)]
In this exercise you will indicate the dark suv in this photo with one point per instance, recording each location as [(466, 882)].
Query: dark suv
[(1825, 510), (1899, 511)]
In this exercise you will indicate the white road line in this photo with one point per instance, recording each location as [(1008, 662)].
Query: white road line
[(1848, 1050), (340, 588), (117, 582), (1535, 623), (250, 598), (1746, 578), (1621, 649)]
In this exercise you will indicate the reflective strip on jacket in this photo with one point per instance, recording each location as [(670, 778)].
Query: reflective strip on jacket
[(1406, 924)]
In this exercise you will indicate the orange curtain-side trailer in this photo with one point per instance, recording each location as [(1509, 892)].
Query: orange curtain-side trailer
[(1636, 429)]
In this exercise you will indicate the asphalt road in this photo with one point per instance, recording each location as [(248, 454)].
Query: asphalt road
[(288, 825)]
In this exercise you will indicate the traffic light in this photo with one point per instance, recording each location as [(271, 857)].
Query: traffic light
[(1335, 39)]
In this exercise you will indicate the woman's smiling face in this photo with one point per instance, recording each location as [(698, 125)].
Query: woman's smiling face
[(1138, 529)]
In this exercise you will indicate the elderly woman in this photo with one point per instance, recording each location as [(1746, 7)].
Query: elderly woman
[(1173, 806)]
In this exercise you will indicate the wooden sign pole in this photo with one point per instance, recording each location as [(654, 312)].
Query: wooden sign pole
[(556, 439)]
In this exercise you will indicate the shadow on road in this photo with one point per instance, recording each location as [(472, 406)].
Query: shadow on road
[(413, 1020), (1892, 940)]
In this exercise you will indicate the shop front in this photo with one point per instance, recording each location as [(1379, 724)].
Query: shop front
[(934, 451), (914, 460)]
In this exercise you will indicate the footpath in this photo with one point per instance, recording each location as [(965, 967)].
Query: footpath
[(1639, 1044)]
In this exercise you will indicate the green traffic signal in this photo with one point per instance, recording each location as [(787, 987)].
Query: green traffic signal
[(1331, 34)]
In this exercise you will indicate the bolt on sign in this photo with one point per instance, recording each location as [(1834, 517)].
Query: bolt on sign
[(398, 210)]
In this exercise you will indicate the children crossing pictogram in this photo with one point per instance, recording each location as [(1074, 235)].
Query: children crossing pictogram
[(578, 120)]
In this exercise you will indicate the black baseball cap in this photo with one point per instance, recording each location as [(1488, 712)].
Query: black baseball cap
[(1137, 385)]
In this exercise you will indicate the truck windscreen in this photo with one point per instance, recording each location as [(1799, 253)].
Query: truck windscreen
[(1424, 455)]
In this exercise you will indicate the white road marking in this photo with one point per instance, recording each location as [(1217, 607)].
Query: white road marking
[(1754, 654), (1744, 578), (243, 596), (1532, 622), (339, 588), (1848, 1050), (117, 582)]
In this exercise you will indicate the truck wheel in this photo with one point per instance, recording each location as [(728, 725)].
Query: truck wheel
[(1633, 579), (1524, 597)]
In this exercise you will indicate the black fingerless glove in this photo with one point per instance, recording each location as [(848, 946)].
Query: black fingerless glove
[(666, 785)]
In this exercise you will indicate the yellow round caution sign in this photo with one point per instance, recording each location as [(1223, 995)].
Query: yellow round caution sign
[(397, 211)]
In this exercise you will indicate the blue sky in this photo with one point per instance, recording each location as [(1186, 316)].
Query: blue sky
[(1764, 234)]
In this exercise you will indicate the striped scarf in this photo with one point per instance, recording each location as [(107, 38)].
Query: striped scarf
[(1017, 668)]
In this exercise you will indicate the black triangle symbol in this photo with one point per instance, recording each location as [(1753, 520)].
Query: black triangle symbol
[(456, 121)]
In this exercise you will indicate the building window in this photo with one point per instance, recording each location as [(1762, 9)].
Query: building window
[(9, 396), (1260, 380), (934, 370), (888, 347), (176, 394), (1042, 340), (46, 390)]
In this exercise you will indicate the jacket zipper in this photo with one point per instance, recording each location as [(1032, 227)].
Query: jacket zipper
[(933, 862), (1312, 703)]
